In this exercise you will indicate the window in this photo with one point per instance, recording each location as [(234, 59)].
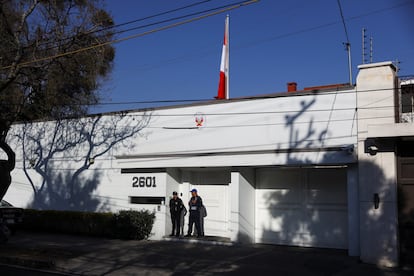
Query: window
[(147, 200), (407, 103), (407, 98)]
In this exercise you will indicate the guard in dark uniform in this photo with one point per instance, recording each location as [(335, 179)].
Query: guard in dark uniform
[(194, 205), (176, 206)]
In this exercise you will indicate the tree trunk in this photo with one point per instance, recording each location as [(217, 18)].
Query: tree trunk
[(6, 166)]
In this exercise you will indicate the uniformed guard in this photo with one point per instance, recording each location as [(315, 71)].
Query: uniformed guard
[(194, 205), (176, 206)]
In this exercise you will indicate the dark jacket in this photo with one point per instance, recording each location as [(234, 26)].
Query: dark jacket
[(176, 205), (195, 204)]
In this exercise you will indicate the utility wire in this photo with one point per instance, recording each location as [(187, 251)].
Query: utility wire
[(275, 95), (155, 15), (251, 44), (142, 19), (343, 21), (179, 17), (212, 101), (281, 36)]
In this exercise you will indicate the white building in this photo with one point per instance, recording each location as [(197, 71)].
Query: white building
[(314, 168)]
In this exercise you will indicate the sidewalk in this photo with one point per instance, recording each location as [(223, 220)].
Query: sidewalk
[(78, 255)]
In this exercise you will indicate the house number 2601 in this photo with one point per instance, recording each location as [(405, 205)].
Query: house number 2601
[(143, 181)]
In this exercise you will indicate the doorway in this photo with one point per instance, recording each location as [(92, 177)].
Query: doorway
[(405, 170)]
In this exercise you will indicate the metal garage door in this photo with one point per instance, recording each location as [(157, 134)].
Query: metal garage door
[(304, 207)]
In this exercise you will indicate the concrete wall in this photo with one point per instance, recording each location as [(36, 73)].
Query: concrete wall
[(298, 129), (242, 207), (248, 133), (377, 173)]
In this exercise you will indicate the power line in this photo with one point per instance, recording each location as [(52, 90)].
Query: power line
[(239, 4), (143, 19), (284, 113), (156, 15), (347, 44), (285, 35), (212, 150), (179, 17), (280, 95), (349, 118), (236, 6), (212, 102)]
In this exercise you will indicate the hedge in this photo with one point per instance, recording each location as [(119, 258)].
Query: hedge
[(123, 225)]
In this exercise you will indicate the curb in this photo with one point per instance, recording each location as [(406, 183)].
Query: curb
[(199, 241), (25, 262)]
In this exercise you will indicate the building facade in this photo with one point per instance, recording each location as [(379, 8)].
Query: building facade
[(317, 168)]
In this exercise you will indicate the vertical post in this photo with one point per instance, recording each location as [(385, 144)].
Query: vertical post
[(234, 190), (227, 58), (370, 49), (363, 45), (348, 48)]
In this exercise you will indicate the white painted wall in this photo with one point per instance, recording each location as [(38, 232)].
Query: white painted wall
[(247, 205), (377, 173), (285, 130), (246, 133)]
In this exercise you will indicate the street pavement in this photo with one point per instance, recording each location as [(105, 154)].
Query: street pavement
[(80, 255)]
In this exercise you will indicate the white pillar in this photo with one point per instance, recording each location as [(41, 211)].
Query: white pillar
[(234, 206), (242, 206), (377, 171)]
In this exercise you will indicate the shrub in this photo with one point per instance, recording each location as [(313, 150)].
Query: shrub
[(125, 224), (135, 225)]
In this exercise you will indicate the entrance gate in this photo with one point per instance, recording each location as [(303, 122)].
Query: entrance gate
[(405, 169)]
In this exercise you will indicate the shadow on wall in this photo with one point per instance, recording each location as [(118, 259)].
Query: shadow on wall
[(305, 206), (57, 196), (377, 219), (57, 155)]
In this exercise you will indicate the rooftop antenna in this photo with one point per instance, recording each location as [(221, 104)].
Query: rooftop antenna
[(347, 43), (364, 54), (397, 65), (370, 49)]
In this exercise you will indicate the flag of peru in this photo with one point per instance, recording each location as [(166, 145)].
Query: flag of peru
[(223, 88)]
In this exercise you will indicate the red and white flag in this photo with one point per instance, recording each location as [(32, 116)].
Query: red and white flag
[(223, 88)]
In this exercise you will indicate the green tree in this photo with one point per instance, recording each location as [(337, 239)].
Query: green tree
[(45, 71), (38, 78)]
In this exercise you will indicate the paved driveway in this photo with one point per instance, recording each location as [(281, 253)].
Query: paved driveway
[(76, 255)]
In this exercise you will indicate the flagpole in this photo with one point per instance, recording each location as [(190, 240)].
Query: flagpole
[(227, 58), (223, 88)]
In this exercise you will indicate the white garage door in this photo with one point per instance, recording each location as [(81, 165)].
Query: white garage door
[(304, 207)]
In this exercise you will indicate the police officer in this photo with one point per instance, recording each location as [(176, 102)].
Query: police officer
[(194, 205), (176, 206)]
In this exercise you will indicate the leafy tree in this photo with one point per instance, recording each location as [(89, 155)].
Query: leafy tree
[(45, 73)]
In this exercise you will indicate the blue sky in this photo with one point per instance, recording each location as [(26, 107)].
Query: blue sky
[(271, 43)]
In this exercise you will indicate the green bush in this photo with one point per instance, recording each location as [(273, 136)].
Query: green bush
[(124, 224), (134, 225)]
